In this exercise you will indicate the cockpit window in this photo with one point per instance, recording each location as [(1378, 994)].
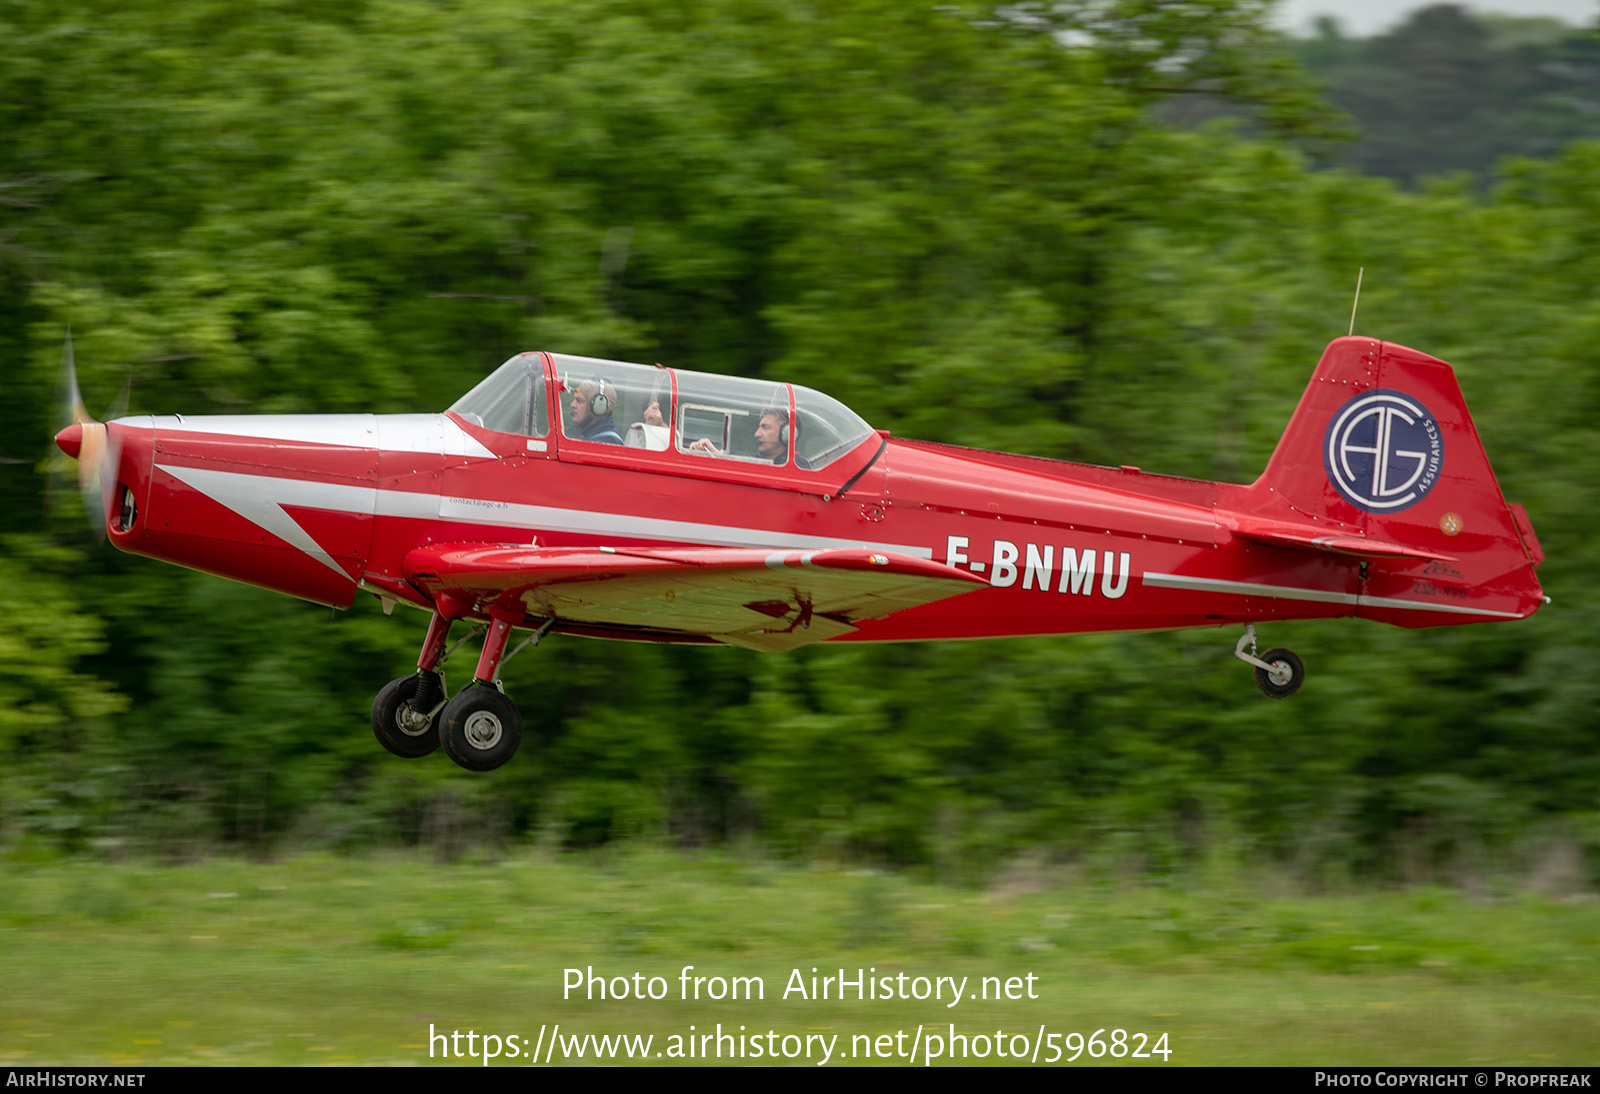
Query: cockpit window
[(612, 402), (510, 399), (825, 428), (733, 417)]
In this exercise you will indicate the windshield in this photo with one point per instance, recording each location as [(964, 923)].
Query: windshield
[(510, 399), (827, 429)]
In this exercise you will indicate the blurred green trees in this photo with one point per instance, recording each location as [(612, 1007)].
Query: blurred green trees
[(1451, 90), (967, 222)]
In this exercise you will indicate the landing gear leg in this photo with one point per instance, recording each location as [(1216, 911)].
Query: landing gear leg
[(405, 711), (480, 727), (1279, 673)]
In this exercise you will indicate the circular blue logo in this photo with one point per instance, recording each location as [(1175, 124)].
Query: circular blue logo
[(1383, 451)]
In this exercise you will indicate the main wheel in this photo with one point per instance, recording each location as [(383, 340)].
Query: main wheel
[(400, 729), (1288, 673), (480, 728)]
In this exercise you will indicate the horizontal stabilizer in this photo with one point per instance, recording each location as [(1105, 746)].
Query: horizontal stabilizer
[(1313, 539)]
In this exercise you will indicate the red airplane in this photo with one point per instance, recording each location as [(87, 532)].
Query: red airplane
[(578, 496)]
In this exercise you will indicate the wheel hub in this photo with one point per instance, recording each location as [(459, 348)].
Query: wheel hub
[(1280, 673), (412, 723), (483, 729)]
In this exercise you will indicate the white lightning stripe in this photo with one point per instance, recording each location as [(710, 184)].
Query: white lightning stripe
[(1247, 588), (590, 522), (1395, 602), (431, 433), (1290, 592), (260, 500)]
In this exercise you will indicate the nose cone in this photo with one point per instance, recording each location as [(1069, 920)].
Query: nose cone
[(70, 440)]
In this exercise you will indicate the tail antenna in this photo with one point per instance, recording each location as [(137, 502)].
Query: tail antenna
[(1357, 301)]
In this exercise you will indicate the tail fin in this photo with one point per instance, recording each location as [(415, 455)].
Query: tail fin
[(1381, 460)]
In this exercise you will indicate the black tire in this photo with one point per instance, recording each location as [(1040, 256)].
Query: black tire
[(1282, 660), (389, 723), (480, 728)]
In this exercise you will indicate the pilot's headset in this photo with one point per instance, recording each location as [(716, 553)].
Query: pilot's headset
[(599, 402)]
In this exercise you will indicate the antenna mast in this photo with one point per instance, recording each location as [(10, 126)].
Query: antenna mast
[(1357, 300)]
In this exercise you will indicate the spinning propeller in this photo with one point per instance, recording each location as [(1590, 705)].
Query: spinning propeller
[(94, 445)]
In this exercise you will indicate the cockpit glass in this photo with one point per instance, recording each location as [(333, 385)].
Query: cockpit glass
[(613, 402), (734, 418), (510, 399), (655, 409), (825, 428)]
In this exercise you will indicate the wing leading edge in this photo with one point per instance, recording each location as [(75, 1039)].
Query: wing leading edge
[(754, 598)]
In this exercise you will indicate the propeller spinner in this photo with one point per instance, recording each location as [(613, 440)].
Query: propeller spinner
[(93, 444)]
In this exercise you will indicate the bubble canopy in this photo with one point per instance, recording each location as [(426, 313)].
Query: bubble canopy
[(658, 409)]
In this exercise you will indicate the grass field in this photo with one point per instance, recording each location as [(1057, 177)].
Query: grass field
[(322, 960)]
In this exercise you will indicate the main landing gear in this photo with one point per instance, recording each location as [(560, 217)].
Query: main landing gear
[(479, 728), (1279, 673), (404, 711)]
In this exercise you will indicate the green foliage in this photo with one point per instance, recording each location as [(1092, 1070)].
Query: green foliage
[(1450, 90), (54, 718), (969, 223)]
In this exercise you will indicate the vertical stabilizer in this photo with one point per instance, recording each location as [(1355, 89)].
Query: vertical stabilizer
[(1382, 448)]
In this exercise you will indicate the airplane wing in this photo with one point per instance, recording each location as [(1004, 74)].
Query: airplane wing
[(750, 597)]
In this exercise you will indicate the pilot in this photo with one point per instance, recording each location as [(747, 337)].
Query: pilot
[(590, 412)]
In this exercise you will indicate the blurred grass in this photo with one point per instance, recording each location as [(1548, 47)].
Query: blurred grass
[(335, 960)]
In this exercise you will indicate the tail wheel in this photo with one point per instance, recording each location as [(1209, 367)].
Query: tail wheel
[(399, 727), (1288, 672), (480, 728)]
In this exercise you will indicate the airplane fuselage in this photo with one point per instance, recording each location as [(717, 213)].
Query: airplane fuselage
[(322, 507)]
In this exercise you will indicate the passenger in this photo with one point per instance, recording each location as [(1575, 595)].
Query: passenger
[(652, 433), (772, 435), (772, 440), (590, 413)]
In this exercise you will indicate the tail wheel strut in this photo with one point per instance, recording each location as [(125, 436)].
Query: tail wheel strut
[(1279, 672)]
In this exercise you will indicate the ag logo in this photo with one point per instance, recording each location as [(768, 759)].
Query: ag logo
[(1383, 451)]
